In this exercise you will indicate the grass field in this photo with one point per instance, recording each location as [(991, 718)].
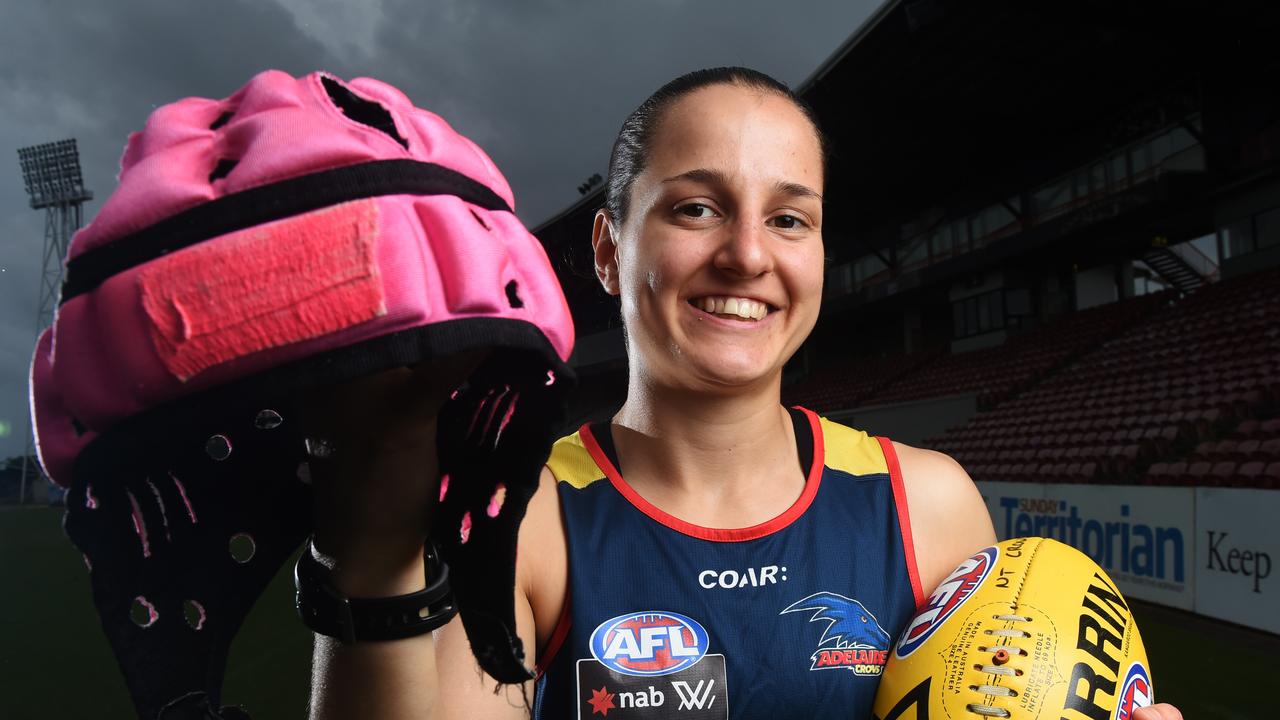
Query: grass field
[(55, 661)]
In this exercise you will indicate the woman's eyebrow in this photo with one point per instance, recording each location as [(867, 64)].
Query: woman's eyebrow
[(709, 176), (702, 175), (797, 190)]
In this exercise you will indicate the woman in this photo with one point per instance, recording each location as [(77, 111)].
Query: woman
[(704, 498)]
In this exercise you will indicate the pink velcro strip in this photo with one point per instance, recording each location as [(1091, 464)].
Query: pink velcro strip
[(264, 287)]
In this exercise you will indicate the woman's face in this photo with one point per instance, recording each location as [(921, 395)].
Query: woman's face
[(720, 262)]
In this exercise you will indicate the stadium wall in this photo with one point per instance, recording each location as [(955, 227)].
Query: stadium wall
[(913, 421), (1208, 550)]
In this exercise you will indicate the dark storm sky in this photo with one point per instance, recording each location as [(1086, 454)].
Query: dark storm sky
[(542, 85)]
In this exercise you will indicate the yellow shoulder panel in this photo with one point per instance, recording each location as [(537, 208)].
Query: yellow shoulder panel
[(851, 451), (571, 463)]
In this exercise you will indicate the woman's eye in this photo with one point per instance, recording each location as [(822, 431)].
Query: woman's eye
[(788, 222), (695, 210)]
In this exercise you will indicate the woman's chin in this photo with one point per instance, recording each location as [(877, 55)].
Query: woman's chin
[(732, 376)]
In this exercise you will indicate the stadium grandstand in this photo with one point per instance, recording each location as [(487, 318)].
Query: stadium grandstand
[(1043, 212), (1053, 233)]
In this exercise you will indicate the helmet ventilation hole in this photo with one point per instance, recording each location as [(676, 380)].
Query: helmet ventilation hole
[(242, 547), (365, 112), (495, 502), (222, 169), (143, 613), (194, 613), (223, 119), (464, 532), (513, 295)]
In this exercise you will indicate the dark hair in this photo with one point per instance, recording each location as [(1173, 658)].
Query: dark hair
[(631, 149)]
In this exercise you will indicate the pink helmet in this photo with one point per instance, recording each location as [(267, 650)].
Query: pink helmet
[(299, 232)]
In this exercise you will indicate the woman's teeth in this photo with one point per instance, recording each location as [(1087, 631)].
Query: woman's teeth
[(737, 307)]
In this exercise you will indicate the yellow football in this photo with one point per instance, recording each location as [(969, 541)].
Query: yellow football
[(1028, 628)]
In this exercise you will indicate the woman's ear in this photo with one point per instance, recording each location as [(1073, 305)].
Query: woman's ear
[(604, 244)]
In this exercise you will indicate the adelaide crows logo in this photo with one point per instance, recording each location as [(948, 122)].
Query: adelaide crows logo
[(852, 639)]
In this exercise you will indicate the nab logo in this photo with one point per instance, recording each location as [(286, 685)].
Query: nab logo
[(944, 601), (1134, 693), (649, 643)]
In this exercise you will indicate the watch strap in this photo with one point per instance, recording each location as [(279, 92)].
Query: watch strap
[(325, 610)]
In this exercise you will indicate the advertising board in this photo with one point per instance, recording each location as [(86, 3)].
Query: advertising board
[(1237, 546), (1142, 536)]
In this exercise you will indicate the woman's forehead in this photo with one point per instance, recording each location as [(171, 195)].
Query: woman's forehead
[(738, 132)]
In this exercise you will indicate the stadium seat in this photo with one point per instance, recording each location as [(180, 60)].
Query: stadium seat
[(1271, 476), (1250, 473), (1157, 474), (1222, 473), (1198, 472)]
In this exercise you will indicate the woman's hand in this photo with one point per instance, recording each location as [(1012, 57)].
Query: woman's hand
[(1162, 711), (375, 472)]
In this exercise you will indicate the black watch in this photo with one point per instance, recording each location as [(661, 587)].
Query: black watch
[(327, 611)]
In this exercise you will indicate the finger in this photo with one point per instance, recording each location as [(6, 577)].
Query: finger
[(1160, 711)]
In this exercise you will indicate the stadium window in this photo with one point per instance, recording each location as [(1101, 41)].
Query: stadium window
[(978, 314), (839, 281), (1018, 302), (1160, 147), (1000, 219), (914, 253), (1267, 229), (1051, 198), (1139, 159), (1237, 238), (1081, 185), (960, 235), (940, 243), (975, 230), (869, 269), (1117, 171), (984, 314), (1098, 177)]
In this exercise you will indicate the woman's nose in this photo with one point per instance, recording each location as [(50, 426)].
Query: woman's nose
[(744, 251)]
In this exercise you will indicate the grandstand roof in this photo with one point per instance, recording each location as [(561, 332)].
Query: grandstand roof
[(945, 105)]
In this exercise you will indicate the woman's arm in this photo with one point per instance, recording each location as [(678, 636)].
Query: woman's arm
[(375, 498)]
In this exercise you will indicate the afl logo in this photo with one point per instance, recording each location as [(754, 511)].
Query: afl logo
[(950, 595), (649, 643), (1134, 693)]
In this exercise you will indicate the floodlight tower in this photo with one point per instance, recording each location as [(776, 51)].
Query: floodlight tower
[(51, 173)]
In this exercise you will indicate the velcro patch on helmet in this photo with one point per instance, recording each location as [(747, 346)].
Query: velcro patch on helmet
[(263, 287)]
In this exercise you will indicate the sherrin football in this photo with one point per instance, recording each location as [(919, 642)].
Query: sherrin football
[(1029, 628)]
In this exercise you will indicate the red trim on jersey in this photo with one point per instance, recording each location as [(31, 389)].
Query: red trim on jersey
[(904, 518), (557, 639), (717, 534)]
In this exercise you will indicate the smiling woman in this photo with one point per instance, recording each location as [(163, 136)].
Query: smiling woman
[(707, 549)]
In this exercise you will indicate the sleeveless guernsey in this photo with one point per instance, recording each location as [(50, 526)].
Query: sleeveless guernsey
[(792, 618)]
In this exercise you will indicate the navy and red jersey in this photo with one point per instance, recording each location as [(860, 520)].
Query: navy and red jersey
[(790, 618)]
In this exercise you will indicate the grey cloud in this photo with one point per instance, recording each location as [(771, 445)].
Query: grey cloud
[(543, 86)]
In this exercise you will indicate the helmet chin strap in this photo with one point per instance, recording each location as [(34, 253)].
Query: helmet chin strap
[(180, 545)]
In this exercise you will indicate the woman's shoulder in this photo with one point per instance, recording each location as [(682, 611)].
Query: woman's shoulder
[(949, 517)]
